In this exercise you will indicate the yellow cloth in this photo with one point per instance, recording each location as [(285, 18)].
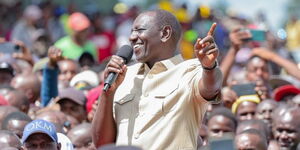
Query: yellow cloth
[(293, 36), (249, 98), (160, 108)]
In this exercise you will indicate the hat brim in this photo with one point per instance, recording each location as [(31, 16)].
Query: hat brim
[(25, 137)]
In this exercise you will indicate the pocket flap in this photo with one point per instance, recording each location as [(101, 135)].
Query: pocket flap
[(165, 91), (125, 99)]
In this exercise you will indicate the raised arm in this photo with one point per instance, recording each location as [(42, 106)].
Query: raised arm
[(207, 52), (236, 37), (290, 67), (103, 124)]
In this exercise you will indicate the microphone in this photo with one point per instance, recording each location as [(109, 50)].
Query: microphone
[(124, 52)]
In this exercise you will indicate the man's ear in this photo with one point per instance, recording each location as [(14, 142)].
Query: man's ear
[(166, 33)]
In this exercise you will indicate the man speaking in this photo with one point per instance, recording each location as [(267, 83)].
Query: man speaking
[(158, 103)]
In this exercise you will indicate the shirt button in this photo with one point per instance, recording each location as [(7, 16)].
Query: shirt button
[(146, 94), (150, 76), (136, 135)]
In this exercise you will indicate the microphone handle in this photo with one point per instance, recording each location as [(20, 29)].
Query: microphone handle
[(112, 76)]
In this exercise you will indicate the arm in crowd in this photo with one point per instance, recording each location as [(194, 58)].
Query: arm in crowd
[(49, 88), (236, 37), (207, 52), (103, 125), (290, 67)]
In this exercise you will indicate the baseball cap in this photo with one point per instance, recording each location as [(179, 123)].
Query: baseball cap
[(39, 126), (120, 147), (88, 76), (285, 90), (78, 21), (73, 95)]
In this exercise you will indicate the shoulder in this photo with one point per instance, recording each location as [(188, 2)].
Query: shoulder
[(63, 41)]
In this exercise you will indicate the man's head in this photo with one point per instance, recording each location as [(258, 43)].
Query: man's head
[(257, 69), (221, 121), (81, 136), (18, 99), (79, 24), (16, 122), (40, 134), (264, 111), (68, 69), (253, 124), (286, 129), (246, 110), (154, 36), (6, 110), (6, 73), (72, 102), (251, 139), (9, 139), (29, 84), (56, 117)]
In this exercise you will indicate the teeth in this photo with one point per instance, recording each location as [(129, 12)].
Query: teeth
[(135, 46)]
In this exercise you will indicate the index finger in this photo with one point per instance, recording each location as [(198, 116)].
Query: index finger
[(212, 29)]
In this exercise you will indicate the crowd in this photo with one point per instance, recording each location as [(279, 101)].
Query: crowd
[(51, 76)]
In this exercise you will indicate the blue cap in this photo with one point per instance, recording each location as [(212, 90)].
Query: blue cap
[(39, 126)]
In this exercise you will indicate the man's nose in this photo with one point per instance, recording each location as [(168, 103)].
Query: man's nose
[(267, 115), (133, 36), (249, 116), (283, 135)]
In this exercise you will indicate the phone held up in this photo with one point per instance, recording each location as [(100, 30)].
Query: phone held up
[(9, 48), (256, 35)]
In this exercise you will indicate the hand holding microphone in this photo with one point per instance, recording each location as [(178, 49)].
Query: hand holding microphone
[(116, 68)]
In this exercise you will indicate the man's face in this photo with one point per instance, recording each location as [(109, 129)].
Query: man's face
[(286, 131), (145, 37), (218, 125), (68, 70), (40, 141), (248, 141), (264, 112), (246, 111), (257, 69), (71, 108)]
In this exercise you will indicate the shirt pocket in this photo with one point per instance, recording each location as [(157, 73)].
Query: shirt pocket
[(168, 97), (124, 108)]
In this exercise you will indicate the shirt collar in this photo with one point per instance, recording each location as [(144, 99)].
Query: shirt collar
[(161, 66)]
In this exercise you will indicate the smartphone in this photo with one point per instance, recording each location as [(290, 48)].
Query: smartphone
[(9, 47), (244, 89), (258, 35), (226, 142)]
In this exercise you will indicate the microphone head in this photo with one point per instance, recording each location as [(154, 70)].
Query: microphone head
[(125, 52)]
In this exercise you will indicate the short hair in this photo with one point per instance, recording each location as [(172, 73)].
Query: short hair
[(15, 116), (255, 132), (164, 18), (262, 125), (223, 111)]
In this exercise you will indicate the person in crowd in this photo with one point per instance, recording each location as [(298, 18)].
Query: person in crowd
[(221, 121), (26, 29), (9, 139), (57, 118), (81, 137), (18, 99), (176, 88), (254, 124), (251, 139), (286, 129), (40, 134), (57, 74), (29, 84), (264, 111), (15, 122), (72, 102), (6, 110), (77, 43), (6, 73)]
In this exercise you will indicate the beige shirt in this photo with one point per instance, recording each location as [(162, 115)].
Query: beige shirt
[(161, 108)]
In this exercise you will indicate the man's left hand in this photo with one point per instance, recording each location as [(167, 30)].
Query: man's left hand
[(206, 50)]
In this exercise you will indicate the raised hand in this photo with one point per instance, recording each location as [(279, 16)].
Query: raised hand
[(206, 50), (54, 55), (238, 37), (24, 54)]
